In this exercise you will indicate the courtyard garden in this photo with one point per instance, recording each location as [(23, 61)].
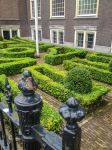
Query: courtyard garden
[(63, 73)]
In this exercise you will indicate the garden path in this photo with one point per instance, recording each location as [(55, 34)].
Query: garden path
[(96, 128)]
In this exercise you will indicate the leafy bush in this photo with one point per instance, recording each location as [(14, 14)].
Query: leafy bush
[(51, 72), (17, 52), (110, 66), (97, 74), (98, 58), (50, 119), (91, 63), (79, 80), (11, 68), (62, 93), (1, 38), (54, 58), (104, 54), (45, 46)]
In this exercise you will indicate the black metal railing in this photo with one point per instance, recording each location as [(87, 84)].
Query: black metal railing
[(25, 120)]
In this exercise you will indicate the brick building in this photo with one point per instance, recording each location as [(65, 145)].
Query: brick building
[(78, 23)]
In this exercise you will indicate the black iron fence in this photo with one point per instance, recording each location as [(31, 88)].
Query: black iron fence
[(26, 120)]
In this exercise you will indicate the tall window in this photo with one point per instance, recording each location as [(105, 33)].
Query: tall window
[(39, 34), (33, 8), (85, 39), (87, 7), (58, 8), (57, 36)]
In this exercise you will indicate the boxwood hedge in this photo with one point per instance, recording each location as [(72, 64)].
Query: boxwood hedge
[(50, 119), (55, 57), (97, 74), (11, 68), (17, 52), (61, 93)]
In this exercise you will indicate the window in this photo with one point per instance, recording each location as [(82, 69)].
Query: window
[(57, 36), (57, 8), (33, 8), (39, 35), (87, 7), (9, 33), (14, 33), (85, 39)]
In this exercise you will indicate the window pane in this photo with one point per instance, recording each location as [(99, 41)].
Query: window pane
[(61, 38), (54, 37), (14, 33), (39, 35), (87, 7), (33, 8), (57, 7), (80, 39), (90, 40)]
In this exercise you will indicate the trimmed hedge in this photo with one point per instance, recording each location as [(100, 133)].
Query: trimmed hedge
[(110, 66), (12, 68), (54, 58), (50, 119), (17, 52), (62, 94), (104, 54), (51, 72), (97, 74), (91, 63), (6, 60), (79, 80), (98, 58), (43, 47)]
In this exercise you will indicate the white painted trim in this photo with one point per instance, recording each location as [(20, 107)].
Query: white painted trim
[(85, 15), (85, 32), (54, 17), (57, 31), (31, 14), (56, 27)]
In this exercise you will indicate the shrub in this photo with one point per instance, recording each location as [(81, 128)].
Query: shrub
[(110, 66), (11, 68), (56, 59), (50, 119), (91, 63), (45, 46), (103, 59), (97, 74), (62, 93), (1, 38), (17, 52), (51, 72), (79, 80)]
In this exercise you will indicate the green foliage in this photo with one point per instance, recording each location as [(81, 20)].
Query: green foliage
[(110, 66), (50, 119), (99, 58), (79, 80), (62, 93), (1, 38), (17, 52), (15, 67), (56, 57), (97, 74), (43, 47), (91, 63)]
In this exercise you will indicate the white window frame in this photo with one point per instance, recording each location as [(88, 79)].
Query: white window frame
[(32, 32), (51, 16), (57, 31), (86, 15), (10, 31), (85, 32), (31, 11)]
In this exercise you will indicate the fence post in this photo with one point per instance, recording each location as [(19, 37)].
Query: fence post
[(72, 112), (28, 105)]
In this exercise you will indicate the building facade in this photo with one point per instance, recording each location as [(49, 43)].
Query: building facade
[(78, 23)]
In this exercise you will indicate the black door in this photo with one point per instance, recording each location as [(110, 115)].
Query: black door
[(6, 35)]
